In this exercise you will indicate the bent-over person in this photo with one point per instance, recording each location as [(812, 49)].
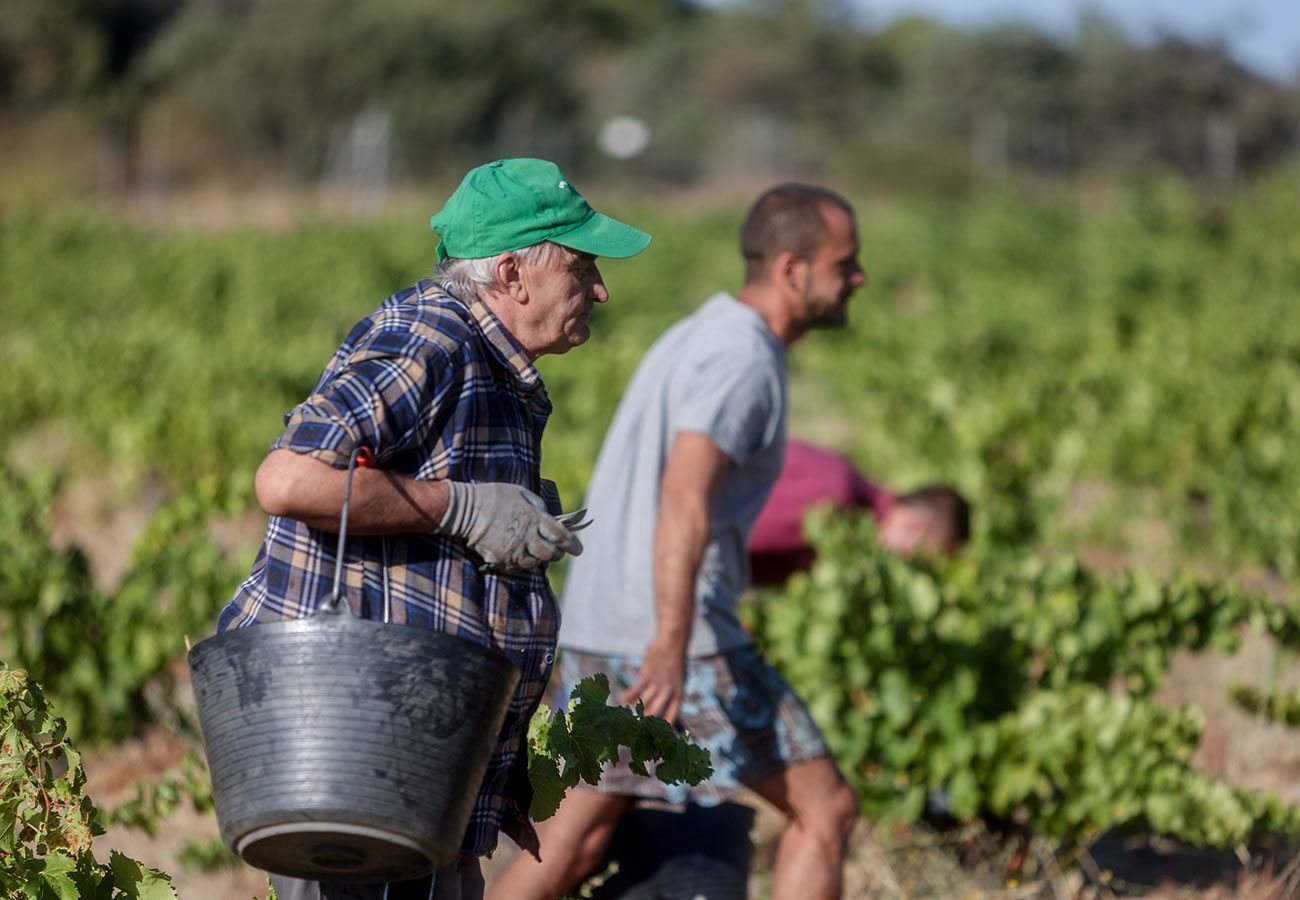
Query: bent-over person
[(930, 520)]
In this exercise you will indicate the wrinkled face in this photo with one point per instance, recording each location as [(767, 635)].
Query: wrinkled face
[(562, 289), (834, 273)]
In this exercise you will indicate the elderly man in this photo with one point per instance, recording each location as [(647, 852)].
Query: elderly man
[(691, 455), (438, 383)]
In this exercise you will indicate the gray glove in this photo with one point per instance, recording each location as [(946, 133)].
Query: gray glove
[(505, 524)]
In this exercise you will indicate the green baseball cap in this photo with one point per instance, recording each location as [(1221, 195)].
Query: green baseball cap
[(514, 203)]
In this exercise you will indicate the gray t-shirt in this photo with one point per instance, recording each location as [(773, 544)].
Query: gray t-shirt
[(719, 372)]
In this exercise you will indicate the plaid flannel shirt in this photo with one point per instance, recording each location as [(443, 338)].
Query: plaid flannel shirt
[(438, 389)]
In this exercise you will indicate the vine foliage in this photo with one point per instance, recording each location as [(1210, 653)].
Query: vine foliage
[(1015, 689), (107, 658), (47, 823), (566, 746)]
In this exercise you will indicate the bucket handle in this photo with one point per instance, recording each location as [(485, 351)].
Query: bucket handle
[(364, 457)]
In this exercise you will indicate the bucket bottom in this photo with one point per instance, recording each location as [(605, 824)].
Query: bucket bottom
[(335, 851)]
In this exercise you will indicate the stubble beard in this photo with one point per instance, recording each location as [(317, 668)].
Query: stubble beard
[(836, 316)]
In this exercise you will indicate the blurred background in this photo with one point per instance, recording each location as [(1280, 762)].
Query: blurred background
[(150, 97), (1080, 224)]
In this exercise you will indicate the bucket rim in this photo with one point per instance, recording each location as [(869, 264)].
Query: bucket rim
[(314, 623)]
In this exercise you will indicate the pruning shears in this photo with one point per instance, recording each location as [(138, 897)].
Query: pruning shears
[(572, 521)]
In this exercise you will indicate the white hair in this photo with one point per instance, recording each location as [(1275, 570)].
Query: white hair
[(465, 278)]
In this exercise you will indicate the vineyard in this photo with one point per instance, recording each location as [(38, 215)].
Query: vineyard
[(1110, 374)]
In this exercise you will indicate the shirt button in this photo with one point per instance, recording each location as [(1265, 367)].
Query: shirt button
[(548, 659)]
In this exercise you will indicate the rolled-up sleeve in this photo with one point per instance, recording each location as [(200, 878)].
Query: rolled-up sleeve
[(385, 396)]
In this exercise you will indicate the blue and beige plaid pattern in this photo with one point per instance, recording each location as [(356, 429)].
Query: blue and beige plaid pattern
[(438, 390)]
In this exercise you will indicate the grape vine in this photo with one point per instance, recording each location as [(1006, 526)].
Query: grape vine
[(47, 823), (1016, 689)]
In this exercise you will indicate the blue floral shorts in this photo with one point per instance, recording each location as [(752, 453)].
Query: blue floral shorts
[(735, 704)]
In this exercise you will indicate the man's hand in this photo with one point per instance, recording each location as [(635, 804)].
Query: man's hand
[(506, 524), (660, 681)]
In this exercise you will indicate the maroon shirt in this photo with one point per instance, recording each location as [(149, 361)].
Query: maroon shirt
[(811, 476)]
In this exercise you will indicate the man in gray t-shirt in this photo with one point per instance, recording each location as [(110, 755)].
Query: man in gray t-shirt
[(690, 457), (718, 373)]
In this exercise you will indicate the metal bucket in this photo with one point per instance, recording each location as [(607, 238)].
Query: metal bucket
[(344, 749)]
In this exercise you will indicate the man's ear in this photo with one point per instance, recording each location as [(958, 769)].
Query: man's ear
[(510, 278), (790, 271)]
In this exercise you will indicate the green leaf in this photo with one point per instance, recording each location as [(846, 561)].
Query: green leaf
[(963, 795), (57, 874), (8, 824), (548, 787), (684, 762), (567, 747), (139, 882), (896, 697), (593, 689), (596, 730)]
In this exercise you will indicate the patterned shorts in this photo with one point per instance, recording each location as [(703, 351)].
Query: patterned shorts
[(734, 704)]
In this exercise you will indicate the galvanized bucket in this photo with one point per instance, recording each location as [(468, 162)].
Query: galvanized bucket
[(344, 749)]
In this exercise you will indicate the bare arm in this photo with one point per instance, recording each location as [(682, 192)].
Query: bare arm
[(299, 487), (693, 472)]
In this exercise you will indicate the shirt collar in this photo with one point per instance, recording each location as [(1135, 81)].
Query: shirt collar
[(504, 346)]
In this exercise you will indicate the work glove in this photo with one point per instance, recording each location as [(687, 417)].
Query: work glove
[(505, 524)]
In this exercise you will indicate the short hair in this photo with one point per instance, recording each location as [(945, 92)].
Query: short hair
[(785, 218), (464, 278), (946, 507)]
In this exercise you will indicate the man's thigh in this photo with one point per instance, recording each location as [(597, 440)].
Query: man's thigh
[(749, 718), (805, 790), (583, 825), (573, 842)]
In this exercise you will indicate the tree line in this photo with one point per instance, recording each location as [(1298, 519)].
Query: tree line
[(759, 86)]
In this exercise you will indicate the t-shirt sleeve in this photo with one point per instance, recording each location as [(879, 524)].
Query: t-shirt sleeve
[(735, 401), (384, 395)]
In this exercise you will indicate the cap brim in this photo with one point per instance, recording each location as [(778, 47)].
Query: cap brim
[(601, 235)]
